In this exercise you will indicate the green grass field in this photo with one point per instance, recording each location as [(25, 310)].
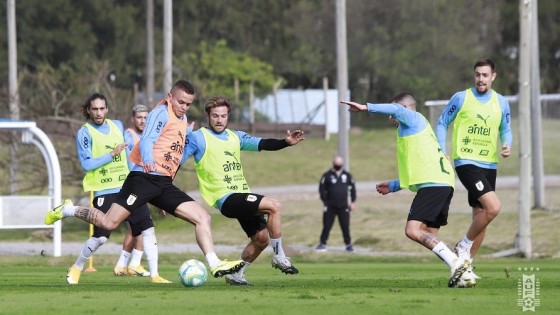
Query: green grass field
[(327, 284)]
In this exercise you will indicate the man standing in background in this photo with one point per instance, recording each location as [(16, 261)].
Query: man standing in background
[(338, 194)]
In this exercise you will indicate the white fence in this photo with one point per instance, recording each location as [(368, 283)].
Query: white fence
[(27, 212)]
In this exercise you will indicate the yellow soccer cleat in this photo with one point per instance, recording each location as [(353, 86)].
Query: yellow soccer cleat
[(138, 271), (159, 279), (55, 213), (73, 275), (120, 271), (226, 267)]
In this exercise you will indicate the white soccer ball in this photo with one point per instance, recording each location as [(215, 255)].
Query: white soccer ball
[(467, 280), (193, 273)]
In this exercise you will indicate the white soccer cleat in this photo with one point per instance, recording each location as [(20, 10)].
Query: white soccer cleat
[(237, 278), (467, 279), (462, 252), (284, 264), (459, 268)]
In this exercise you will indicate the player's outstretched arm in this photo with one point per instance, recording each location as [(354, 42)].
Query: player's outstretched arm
[(354, 107)]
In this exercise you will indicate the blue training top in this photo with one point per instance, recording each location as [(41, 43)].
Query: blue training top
[(410, 123), (196, 146), (155, 122), (87, 161), (450, 112)]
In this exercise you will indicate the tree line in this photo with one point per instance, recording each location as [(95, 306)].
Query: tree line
[(67, 49)]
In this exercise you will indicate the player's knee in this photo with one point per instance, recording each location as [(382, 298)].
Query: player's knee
[(411, 232), (275, 207)]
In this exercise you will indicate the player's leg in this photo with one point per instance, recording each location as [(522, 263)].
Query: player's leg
[(120, 268), (258, 242), (108, 221), (98, 238), (480, 184), (344, 222), (482, 217), (178, 203), (329, 215)]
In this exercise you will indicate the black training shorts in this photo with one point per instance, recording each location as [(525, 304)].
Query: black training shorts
[(431, 205), (477, 180), (244, 207), (140, 188)]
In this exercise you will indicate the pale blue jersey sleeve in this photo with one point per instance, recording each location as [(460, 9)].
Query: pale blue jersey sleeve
[(129, 139), (447, 117), (155, 121), (196, 146), (248, 142), (84, 143), (394, 185), (506, 136), (410, 121)]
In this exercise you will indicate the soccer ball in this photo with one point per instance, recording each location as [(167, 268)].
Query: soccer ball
[(193, 273), (467, 280)]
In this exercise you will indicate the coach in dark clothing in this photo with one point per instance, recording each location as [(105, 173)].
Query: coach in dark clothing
[(338, 193)]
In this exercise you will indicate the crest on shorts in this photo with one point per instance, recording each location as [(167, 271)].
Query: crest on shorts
[(100, 201), (251, 198), (479, 185), (131, 199)]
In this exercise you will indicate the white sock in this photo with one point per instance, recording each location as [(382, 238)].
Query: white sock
[(466, 244), (69, 211), (151, 250), (212, 259), (276, 244), (123, 258), (136, 257), (245, 266), (445, 253), (90, 246)]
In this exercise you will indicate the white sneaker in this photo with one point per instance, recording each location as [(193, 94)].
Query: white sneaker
[(237, 278), (459, 268)]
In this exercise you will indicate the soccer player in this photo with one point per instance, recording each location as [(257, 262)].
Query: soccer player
[(480, 117), (422, 169), (131, 254), (157, 156), (103, 155), (217, 154)]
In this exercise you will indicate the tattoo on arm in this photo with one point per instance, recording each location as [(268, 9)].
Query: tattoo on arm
[(87, 214), (429, 240)]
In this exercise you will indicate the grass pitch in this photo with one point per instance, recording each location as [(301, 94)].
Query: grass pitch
[(327, 284)]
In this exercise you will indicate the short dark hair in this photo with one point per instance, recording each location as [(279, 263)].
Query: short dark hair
[(139, 108), (485, 62), (217, 101), (402, 96), (184, 86), (91, 98)]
